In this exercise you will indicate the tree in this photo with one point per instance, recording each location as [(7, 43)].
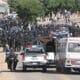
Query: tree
[(12, 3), (77, 3), (54, 5), (45, 6), (67, 4), (28, 10)]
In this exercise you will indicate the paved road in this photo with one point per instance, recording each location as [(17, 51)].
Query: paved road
[(38, 75), (33, 74)]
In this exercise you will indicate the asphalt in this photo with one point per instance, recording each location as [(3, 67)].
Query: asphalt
[(32, 74)]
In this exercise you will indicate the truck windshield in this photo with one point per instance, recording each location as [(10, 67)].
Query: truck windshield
[(32, 51), (74, 47)]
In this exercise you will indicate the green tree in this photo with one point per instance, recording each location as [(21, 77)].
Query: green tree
[(12, 3), (77, 3), (67, 4), (28, 10), (45, 5), (54, 5)]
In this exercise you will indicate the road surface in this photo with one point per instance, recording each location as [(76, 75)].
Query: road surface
[(38, 75), (33, 74)]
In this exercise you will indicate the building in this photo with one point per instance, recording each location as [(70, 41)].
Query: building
[(4, 8), (4, 0)]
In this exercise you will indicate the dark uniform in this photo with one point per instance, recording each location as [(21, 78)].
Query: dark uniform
[(9, 61)]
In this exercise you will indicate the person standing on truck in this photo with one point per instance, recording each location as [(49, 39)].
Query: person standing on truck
[(51, 50)]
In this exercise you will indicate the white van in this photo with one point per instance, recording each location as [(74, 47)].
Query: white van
[(68, 54)]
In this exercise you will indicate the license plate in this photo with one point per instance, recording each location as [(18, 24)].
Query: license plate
[(34, 63), (34, 58)]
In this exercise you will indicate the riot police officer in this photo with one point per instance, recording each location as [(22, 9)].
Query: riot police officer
[(11, 59)]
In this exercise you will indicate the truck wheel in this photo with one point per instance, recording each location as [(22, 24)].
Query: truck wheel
[(66, 70), (24, 68), (79, 70), (75, 69), (44, 69), (58, 69)]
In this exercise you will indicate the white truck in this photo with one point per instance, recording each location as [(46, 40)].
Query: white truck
[(68, 54)]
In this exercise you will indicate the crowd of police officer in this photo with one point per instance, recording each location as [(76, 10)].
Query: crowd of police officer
[(10, 32), (15, 36)]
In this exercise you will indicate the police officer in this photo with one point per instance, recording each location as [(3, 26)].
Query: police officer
[(8, 59), (7, 50)]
